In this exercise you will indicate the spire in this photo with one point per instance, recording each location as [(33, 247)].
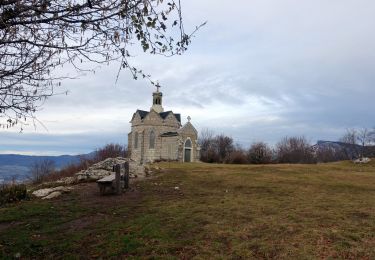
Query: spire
[(157, 98)]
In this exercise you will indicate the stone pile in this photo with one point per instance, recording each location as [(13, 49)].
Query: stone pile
[(93, 173), (105, 168)]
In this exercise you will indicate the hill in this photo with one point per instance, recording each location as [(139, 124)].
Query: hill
[(206, 211), (18, 166), (352, 151)]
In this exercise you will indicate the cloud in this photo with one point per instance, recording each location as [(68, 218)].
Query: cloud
[(259, 70)]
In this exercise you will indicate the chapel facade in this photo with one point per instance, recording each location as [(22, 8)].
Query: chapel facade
[(159, 135)]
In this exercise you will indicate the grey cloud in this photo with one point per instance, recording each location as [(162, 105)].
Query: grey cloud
[(272, 68)]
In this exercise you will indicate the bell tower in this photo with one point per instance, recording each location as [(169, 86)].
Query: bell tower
[(157, 100)]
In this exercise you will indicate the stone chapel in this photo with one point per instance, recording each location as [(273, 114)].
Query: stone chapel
[(159, 135)]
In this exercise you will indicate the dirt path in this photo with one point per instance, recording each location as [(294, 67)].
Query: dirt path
[(87, 194)]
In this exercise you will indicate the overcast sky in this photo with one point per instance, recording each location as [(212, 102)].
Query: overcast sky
[(258, 71)]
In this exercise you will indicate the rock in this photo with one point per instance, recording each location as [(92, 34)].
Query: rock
[(105, 168), (53, 195), (42, 192), (93, 174), (67, 180), (362, 160), (46, 192), (108, 163)]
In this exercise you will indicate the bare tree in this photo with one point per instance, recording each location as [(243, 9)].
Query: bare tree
[(330, 154), (206, 142), (350, 137), (37, 36), (364, 137), (110, 151), (40, 170), (259, 153), (295, 150), (358, 140), (237, 156), (224, 147), (215, 149)]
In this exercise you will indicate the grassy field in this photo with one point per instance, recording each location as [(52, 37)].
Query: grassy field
[(206, 211)]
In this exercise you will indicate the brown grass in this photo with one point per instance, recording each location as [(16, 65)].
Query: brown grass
[(323, 211)]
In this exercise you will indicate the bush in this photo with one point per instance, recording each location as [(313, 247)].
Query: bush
[(238, 156), (12, 193), (41, 170), (110, 151), (259, 153), (329, 154), (215, 149), (295, 150)]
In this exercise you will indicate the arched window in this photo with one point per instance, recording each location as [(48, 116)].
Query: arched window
[(152, 139), (188, 151), (136, 140), (188, 143)]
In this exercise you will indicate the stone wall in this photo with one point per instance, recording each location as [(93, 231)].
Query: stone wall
[(169, 148)]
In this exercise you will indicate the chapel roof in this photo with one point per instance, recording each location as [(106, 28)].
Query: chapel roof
[(163, 115)]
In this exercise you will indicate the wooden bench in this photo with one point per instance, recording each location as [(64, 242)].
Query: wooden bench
[(107, 183), (115, 182)]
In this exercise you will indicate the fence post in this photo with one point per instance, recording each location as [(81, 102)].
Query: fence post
[(118, 178), (126, 175)]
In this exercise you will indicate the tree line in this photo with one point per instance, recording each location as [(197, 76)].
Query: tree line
[(355, 143)]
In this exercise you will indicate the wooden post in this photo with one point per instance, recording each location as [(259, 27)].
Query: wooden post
[(118, 178), (126, 175)]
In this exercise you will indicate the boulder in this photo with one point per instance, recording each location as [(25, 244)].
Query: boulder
[(42, 192), (52, 195), (362, 160), (46, 192)]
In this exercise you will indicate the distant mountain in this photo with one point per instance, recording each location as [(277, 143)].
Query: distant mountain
[(28, 160), (349, 151), (18, 166)]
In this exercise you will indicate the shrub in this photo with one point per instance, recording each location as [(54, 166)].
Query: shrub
[(330, 154), (259, 153), (12, 193), (41, 170), (238, 156), (110, 151), (295, 150), (215, 149)]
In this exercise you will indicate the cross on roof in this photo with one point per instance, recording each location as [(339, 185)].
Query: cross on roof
[(157, 87)]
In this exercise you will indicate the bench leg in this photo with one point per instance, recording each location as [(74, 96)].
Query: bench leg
[(102, 189)]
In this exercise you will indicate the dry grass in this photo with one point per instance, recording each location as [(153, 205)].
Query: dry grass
[(218, 211)]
